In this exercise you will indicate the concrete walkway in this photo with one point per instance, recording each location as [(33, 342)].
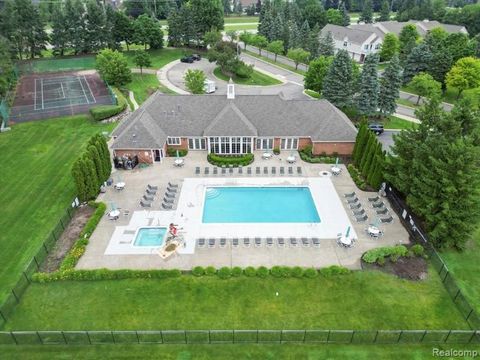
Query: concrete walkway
[(163, 78), (132, 100), (413, 98)]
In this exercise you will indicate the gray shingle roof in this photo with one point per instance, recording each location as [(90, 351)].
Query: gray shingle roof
[(246, 115), (339, 33)]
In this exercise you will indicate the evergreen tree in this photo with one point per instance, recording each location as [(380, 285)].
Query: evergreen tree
[(123, 30), (93, 155), (417, 61), (384, 11), (326, 45), (367, 12), (74, 13), (265, 27), (367, 100), (110, 37), (95, 22), (295, 39), (304, 34), (101, 144), (389, 90), (367, 151), (79, 180), (369, 157), (360, 142), (91, 179), (277, 28), (313, 43), (338, 84), (345, 16), (59, 37), (408, 40)]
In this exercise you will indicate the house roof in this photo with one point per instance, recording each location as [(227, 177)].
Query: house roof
[(355, 36), (215, 115)]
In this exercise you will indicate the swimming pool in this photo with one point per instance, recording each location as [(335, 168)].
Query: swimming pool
[(259, 205), (150, 236)]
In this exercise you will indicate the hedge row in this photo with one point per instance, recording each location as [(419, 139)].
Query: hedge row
[(357, 177), (102, 112), (307, 156), (227, 160), (173, 152), (392, 253)]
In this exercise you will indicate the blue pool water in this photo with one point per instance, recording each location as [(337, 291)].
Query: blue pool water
[(152, 236), (259, 205)]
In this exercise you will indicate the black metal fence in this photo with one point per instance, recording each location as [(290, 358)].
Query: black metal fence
[(15, 294), (240, 336), (418, 235)]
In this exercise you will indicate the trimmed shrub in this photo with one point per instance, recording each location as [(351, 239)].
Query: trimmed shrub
[(227, 160), (310, 273), (334, 270), (237, 271), (250, 271), (418, 250), (381, 261), (102, 112), (372, 256), (104, 274), (307, 156), (297, 272), (262, 272), (173, 152), (224, 272), (210, 271), (357, 177), (198, 271), (276, 151), (276, 271)]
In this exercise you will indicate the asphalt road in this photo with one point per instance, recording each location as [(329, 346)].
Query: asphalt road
[(386, 139)]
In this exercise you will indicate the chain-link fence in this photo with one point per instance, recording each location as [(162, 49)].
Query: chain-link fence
[(15, 294), (417, 234), (240, 337)]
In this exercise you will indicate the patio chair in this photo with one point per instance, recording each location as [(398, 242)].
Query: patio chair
[(293, 242), (355, 206), (168, 201), (373, 199), (223, 242), (290, 170), (235, 242), (170, 195), (269, 242), (353, 201), (246, 242), (145, 203), (305, 242), (383, 211), (257, 170), (258, 242), (224, 170), (349, 195), (358, 212), (265, 170), (197, 170), (299, 170), (274, 170), (240, 170), (281, 242), (249, 171), (361, 218), (377, 205), (387, 220), (147, 197), (207, 170), (215, 170), (230, 170), (172, 185), (282, 170), (172, 190), (211, 243), (201, 242), (151, 187), (150, 192), (316, 242), (167, 206)]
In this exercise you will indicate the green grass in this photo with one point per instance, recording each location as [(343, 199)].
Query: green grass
[(406, 102), (241, 27), (394, 122), (361, 300), (240, 19), (287, 67), (143, 86), (36, 186), (450, 95), (313, 94), (242, 351), (59, 64), (257, 78), (159, 57)]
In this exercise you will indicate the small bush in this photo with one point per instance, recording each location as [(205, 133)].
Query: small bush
[(297, 272), (262, 272), (243, 70), (334, 270), (276, 271), (227, 160), (102, 112), (173, 152), (224, 272), (198, 271), (418, 250), (381, 261), (307, 156), (310, 273), (276, 151), (104, 274), (250, 271), (237, 271), (357, 177), (210, 271), (371, 256)]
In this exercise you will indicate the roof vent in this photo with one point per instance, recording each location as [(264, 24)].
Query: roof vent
[(230, 90)]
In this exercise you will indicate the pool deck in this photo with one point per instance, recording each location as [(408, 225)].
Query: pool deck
[(102, 253)]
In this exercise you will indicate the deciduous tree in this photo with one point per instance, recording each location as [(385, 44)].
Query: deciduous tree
[(425, 85), (113, 67), (464, 75), (195, 81)]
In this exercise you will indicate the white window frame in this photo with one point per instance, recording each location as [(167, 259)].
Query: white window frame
[(174, 140), (290, 143), (197, 143), (265, 143), (230, 145)]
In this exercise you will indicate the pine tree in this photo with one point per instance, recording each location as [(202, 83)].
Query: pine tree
[(367, 100), (95, 22), (345, 16), (304, 33), (367, 12), (326, 45), (97, 162), (91, 179), (360, 142), (338, 84), (295, 39), (417, 61), (59, 35), (79, 180), (74, 13), (367, 151), (277, 28), (313, 42), (266, 25), (368, 159), (389, 89), (384, 11)]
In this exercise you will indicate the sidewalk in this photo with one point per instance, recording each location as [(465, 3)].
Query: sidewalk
[(163, 78)]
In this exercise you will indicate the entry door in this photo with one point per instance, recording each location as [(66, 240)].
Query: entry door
[(158, 155)]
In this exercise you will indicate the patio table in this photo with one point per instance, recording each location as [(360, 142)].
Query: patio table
[(266, 155), (120, 185), (179, 162), (336, 170), (114, 214), (373, 230), (291, 159), (347, 241)]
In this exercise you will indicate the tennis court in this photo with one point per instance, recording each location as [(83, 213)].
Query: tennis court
[(47, 95)]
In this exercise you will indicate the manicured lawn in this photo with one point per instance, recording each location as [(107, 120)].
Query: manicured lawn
[(242, 351), (241, 27), (361, 300), (66, 63), (450, 95), (313, 94), (257, 78), (159, 57), (394, 122), (240, 19), (408, 103), (143, 86), (271, 61), (36, 186), (464, 266)]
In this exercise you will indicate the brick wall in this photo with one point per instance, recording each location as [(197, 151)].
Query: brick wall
[(183, 145), (144, 156), (303, 142), (343, 148)]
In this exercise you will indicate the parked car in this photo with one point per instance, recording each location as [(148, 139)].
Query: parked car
[(187, 59), (196, 57), (376, 128)]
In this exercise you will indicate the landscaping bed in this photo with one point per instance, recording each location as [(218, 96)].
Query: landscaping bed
[(257, 78), (68, 238), (415, 268)]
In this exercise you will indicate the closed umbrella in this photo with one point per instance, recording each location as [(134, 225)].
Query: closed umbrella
[(348, 232), (336, 162)]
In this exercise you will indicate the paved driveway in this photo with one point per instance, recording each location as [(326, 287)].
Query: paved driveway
[(386, 139)]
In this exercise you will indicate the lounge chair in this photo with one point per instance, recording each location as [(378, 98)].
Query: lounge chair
[(240, 170), (201, 242), (281, 241), (172, 185), (353, 201), (215, 170), (207, 170), (148, 197), (282, 170), (211, 243), (170, 195), (316, 242), (358, 212), (293, 241), (167, 206), (265, 170), (383, 211), (257, 170), (197, 170), (378, 205), (230, 170), (249, 171), (168, 201), (258, 242), (172, 190), (246, 242), (150, 192), (274, 170), (223, 242), (151, 187), (305, 242), (355, 206), (349, 195), (145, 203), (361, 218), (290, 170), (387, 220), (224, 170), (269, 242), (373, 199), (299, 170), (235, 242)]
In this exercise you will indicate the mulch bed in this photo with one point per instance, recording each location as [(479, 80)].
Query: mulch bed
[(414, 268), (68, 238)]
